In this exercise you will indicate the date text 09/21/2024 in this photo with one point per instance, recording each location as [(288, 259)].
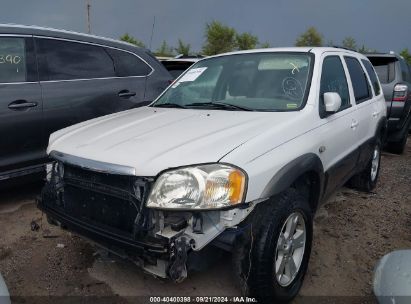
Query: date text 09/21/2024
[(198, 299)]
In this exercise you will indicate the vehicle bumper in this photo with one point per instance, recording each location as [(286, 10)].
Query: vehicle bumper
[(114, 242), (114, 216)]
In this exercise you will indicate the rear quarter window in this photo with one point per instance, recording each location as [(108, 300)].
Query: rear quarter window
[(127, 64), (373, 76)]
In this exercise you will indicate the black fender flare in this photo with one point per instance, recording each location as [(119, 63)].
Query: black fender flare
[(289, 173)]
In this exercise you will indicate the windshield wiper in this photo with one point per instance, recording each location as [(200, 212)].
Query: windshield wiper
[(219, 105), (169, 105)]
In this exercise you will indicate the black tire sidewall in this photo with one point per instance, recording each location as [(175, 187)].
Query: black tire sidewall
[(262, 281), (372, 183)]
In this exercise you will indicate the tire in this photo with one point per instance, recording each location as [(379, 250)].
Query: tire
[(367, 179), (259, 252)]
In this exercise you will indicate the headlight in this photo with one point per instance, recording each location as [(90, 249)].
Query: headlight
[(201, 187)]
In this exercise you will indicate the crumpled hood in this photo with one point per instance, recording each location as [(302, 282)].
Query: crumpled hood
[(154, 139)]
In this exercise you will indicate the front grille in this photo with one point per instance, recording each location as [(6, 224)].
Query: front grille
[(99, 209), (108, 201)]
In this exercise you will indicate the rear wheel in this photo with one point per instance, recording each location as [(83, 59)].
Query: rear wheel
[(367, 179), (272, 259)]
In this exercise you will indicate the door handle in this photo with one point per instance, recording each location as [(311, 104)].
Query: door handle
[(354, 124), (375, 114), (126, 94), (22, 105)]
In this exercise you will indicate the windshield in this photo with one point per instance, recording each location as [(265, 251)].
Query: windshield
[(255, 82)]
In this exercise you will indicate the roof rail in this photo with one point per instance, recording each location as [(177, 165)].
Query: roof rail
[(344, 48)]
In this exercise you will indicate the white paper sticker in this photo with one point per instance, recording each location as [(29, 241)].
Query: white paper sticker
[(192, 75), (175, 85)]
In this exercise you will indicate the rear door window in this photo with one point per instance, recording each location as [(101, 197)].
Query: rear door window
[(362, 90), (67, 60), (12, 60), (385, 68), (127, 64), (373, 76)]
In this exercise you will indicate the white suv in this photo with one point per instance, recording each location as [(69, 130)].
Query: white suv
[(237, 154)]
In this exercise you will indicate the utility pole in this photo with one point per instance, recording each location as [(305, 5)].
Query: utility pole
[(88, 6), (152, 33)]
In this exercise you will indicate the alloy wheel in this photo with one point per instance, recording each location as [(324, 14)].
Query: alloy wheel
[(375, 162), (290, 249)]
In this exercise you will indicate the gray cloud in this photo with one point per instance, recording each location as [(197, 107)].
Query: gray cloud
[(383, 25)]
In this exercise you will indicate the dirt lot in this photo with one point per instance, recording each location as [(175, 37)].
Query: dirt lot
[(352, 231)]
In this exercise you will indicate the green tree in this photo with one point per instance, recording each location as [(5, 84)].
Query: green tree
[(349, 43), (311, 37), (219, 38), (183, 48), (364, 50), (164, 50), (130, 39), (246, 41), (406, 54), (265, 45)]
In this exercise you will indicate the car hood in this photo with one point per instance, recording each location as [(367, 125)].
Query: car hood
[(154, 139)]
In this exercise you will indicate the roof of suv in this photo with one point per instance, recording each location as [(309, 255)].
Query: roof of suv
[(314, 50), (17, 29)]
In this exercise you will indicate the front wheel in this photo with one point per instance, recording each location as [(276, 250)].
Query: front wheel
[(272, 258)]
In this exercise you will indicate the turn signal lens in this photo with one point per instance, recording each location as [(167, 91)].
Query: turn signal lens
[(236, 184)]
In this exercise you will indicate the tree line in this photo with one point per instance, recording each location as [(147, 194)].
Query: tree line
[(220, 38)]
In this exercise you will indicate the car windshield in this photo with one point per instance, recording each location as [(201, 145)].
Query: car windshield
[(253, 82)]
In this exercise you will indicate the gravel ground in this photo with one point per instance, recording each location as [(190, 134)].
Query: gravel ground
[(351, 232)]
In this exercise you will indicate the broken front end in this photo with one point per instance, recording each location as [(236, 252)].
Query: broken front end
[(109, 207)]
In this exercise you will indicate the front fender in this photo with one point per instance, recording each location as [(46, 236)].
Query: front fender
[(288, 174)]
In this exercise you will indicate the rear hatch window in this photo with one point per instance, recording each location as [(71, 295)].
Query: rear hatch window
[(385, 68)]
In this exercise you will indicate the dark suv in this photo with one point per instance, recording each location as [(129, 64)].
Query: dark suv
[(395, 78), (51, 79)]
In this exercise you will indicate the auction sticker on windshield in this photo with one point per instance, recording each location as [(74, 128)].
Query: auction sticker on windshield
[(192, 74)]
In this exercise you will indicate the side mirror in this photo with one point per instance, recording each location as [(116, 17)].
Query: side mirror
[(391, 283), (332, 102)]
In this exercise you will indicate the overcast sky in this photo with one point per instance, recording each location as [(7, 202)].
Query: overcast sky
[(381, 24)]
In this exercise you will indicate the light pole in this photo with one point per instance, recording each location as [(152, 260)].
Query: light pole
[(88, 6)]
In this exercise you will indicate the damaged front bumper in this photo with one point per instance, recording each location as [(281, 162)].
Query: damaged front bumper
[(109, 209)]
